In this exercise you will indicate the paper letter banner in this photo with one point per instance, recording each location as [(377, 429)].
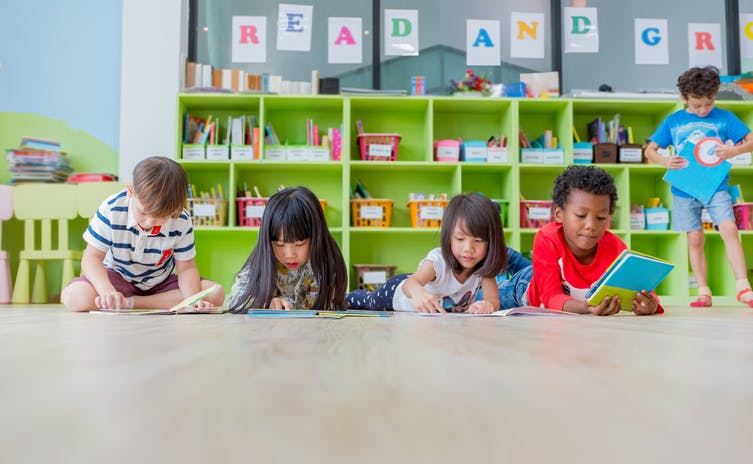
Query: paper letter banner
[(581, 28), (746, 36), (401, 32), (705, 44), (651, 41), (344, 40), (249, 39), (527, 35), (482, 47), (294, 27)]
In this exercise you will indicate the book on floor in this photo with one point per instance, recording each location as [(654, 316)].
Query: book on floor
[(307, 314), (630, 273), (519, 311), (184, 307)]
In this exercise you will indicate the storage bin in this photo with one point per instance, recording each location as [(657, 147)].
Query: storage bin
[(372, 276), (473, 151), (657, 218), (371, 212), (743, 215), (209, 212), (251, 210), (605, 153), (630, 153), (583, 153), (446, 150), (378, 147), (426, 213), (535, 214)]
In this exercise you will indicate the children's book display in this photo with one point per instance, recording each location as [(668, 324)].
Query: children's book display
[(705, 171), (630, 273), (184, 307)]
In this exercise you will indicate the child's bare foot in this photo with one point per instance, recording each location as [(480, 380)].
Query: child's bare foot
[(703, 301), (745, 296)]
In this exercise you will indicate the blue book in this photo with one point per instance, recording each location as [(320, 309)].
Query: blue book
[(630, 273), (281, 313), (704, 173)]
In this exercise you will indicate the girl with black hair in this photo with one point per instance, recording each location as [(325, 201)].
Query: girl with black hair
[(296, 263)]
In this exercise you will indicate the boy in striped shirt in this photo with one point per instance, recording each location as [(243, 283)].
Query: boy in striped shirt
[(138, 237)]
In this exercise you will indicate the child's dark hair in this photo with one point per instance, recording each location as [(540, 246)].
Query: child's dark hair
[(161, 186), (699, 82), (479, 217), (589, 179), (295, 214)]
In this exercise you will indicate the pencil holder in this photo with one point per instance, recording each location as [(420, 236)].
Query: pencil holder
[(209, 212), (378, 147), (535, 214), (371, 212), (372, 276), (426, 213), (250, 211)]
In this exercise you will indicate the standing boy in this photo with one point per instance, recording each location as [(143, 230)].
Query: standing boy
[(700, 119), (136, 240)]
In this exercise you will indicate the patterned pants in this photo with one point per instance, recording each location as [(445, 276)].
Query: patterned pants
[(378, 300)]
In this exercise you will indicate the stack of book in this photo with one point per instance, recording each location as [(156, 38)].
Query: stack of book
[(38, 160)]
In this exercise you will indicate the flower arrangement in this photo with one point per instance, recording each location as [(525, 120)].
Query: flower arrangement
[(472, 83)]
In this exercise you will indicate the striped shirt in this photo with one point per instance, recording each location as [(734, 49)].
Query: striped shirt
[(143, 258)]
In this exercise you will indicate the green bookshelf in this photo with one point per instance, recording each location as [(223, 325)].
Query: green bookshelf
[(421, 121)]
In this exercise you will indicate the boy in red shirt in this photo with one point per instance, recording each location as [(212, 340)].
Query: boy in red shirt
[(571, 253)]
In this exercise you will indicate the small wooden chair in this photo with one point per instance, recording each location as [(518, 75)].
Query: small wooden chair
[(42, 205), (92, 194), (6, 212)]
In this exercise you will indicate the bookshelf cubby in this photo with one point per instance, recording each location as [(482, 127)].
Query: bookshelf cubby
[(420, 121)]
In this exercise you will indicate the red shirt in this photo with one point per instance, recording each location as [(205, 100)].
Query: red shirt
[(557, 274)]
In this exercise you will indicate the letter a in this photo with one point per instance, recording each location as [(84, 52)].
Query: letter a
[(483, 37), (345, 36)]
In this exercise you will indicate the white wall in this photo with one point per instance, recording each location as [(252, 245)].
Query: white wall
[(154, 44)]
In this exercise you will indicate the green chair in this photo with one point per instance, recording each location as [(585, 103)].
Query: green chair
[(91, 194), (40, 207)]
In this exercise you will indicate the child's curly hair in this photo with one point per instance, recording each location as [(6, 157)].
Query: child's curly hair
[(589, 179), (699, 82)]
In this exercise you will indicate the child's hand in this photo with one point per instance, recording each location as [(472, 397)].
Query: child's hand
[(725, 152), (645, 303), (426, 302), (674, 162), (280, 303), (481, 307), (112, 300), (203, 304), (608, 306)]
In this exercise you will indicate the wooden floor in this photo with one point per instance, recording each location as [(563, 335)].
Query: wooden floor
[(93, 388)]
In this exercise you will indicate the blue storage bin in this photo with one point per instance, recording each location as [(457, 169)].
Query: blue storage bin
[(474, 150), (657, 218)]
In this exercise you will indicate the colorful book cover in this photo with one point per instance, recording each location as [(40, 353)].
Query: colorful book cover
[(630, 273), (704, 173)]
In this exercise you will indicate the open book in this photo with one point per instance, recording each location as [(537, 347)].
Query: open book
[(184, 307), (704, 173), (630, 273), (519, 311), (306, 314)]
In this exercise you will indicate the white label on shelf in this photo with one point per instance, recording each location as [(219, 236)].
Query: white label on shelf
[(273, 153), (202, 209), (705, 216), (319, 154), (631, 155), (741, 159), (637, 221), (534, 156), (475, 153), (217, 153), (583, 155), (539, 213), (297, 154), (193, 153), (371, 212), (430, 212), (242, 153), (659, 217), (451, 153), (554, 156), (497, 155), (374, 277), (380, 151), (255, 211)]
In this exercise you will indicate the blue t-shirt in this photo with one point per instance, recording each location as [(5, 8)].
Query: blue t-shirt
[(681, 127)]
